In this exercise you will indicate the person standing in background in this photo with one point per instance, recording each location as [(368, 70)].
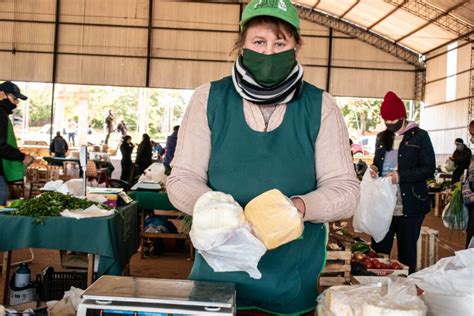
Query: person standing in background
[(404, 152), (12, 160), (58, 146), (71, 130), (126, 148), (170, 148), (122, 128), (109, 125), (144, 154), (462, 158)]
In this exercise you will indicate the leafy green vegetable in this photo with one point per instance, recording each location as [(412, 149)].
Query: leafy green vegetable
[(455, 216), (360, 246), (49, 204), (15, 203)]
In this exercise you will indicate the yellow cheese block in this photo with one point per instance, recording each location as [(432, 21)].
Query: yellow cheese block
[(274, 219)]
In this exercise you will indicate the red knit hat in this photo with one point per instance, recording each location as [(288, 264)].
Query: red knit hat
[(392, 107)]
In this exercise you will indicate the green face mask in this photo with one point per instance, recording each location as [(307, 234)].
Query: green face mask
[(269, 70)]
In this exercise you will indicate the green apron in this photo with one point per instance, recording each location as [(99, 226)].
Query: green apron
[(246, 163), (13, 170)]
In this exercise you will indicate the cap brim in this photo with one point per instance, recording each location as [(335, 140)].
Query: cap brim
[(20, 96)]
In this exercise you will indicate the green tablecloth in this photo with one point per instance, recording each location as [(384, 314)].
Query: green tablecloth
[(115, 238), (152, 200)]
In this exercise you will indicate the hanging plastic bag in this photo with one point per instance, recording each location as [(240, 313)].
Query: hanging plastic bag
[(378, 197), (455, 214), (240, 252)]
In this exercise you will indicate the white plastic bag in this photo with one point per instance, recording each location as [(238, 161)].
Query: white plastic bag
[(240, 252), (377, 202), (215, 215), (221, 236), (397, 296), (448, 284)]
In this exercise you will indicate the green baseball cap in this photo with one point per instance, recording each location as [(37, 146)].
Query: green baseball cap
[(281, 9)]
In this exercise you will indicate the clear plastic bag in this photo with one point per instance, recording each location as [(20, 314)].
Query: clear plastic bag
[(378, 197), (397, 296), (240, 252), (448, 284)]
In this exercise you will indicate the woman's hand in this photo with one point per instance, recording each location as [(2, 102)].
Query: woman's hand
[(299, 204), (394, 176), (28, 160), (374, 171)]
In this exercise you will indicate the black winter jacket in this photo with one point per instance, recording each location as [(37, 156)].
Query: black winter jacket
[(416, 164)]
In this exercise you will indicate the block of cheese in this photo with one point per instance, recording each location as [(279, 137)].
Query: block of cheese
[(215, 215), (374, 310), (274, 219)]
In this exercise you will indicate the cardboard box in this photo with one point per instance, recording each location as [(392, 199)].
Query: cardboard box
[(23, 296), (39, 308)]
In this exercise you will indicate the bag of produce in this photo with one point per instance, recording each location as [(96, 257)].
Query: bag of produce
[(274, 219), (377, 202), (397, 296), (455, 214)]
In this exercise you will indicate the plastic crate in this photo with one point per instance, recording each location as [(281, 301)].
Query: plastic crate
[(54, 284)]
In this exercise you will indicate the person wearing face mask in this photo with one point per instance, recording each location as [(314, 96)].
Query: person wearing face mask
[(265, 128), (404, 152), (11, 158), (462, 158)]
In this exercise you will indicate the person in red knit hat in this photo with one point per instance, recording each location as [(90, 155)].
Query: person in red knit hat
[(404, 152)]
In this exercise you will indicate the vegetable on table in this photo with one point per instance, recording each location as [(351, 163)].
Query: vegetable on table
[(49, 204)]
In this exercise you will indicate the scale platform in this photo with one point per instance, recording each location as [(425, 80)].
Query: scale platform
[(116, 295)]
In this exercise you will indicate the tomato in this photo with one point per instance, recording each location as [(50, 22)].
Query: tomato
[(368, 264), (395, 266), (384, 266), (372, 254), (377, 265)]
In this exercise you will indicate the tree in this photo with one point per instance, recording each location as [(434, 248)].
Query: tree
[(362, 115)]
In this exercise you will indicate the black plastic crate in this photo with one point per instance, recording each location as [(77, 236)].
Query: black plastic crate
[(54, 284)]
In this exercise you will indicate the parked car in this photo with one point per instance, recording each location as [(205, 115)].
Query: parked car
[(364, 146), (42, 137)]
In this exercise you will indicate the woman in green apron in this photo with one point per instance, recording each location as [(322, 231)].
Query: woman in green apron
[(265, 128), (12, 160)]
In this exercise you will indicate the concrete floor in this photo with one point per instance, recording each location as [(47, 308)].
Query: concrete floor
[(174, 263)]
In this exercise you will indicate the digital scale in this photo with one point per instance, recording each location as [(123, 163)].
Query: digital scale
[(116, 295)]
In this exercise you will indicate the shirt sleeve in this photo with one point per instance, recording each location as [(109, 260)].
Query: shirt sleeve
[(188, 179), (337, 193)]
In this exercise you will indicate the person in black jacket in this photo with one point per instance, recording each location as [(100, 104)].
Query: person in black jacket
[(170, 148), (462, 158), (126, 148), (58, 146), (144, 154), (404, 152), (10, 96)]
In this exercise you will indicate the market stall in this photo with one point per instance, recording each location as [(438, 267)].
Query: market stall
[(114, 238)]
